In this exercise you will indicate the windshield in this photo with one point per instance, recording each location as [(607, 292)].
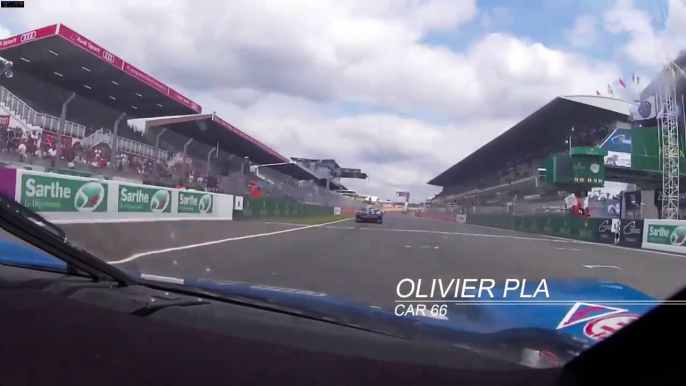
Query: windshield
[(475, 169)]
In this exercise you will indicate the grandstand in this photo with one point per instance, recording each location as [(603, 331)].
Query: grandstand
[(329, 172), (504, 174), (69, 103)]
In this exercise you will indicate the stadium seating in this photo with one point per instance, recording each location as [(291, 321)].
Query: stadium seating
[(87, 147), (517, 183)]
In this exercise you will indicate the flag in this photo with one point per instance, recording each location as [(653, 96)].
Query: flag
[(621, 83), (609, 90)]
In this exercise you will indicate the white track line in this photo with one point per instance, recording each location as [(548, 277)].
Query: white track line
[(198, 245), (465, 234), (135, 220)]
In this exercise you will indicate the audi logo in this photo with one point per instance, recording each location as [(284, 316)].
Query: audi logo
[(27, 36), (107, 56)]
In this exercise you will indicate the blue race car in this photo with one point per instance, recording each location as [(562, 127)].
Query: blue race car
[(369, 215)]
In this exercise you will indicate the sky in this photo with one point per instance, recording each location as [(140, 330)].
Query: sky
[(402, 89)]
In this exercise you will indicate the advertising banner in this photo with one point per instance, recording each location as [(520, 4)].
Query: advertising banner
[(665, 235), (337, 211), (631, 233), (659, 197), (606, 234), (73, 199), (238, 205), (4, 121), (8, 182), (43, 193), (143, 200), (194, 202)]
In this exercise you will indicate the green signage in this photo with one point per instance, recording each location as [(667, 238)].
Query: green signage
[(667, 234), (143, 200), (588, 170), (195, 202), (55, 194)]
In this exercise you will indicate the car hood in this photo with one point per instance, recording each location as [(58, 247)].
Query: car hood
[(583, 311)]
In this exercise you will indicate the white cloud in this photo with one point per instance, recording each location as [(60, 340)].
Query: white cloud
[(4, 32), (585, 32), (278, 69), (656, 34)]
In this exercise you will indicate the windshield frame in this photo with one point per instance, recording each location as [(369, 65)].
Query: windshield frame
[(28, 226)]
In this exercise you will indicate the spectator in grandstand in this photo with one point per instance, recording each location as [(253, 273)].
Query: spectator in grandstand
[(52, 154), (21, 149)]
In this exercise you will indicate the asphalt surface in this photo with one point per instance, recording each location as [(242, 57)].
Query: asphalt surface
[(365, 262)]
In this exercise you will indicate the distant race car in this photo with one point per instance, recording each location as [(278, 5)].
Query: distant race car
[(369, 215)]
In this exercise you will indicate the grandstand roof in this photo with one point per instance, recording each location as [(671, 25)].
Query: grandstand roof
[(211, 130), (324, 162), (59, 55), (548, 125)]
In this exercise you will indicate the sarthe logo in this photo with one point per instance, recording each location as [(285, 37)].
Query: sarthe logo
[(160, 201), (89, 197), (205, 204), (678, 236)]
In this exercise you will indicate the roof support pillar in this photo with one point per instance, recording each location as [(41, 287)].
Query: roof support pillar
[(184, 166), (157, 152), (62, 127), (209, 156), (115, 139)]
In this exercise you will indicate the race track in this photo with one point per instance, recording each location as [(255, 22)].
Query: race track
[(365, 262)]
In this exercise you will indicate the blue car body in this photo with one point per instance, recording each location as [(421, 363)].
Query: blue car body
[(584, 311), (369, 215)]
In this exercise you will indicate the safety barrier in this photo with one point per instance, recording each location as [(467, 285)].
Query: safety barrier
[(436, 215), (663, 235), (73, 199), (660, 235), (265, 208), (579, 228)]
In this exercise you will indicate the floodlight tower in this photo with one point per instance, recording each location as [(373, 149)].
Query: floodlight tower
[(669, 144)]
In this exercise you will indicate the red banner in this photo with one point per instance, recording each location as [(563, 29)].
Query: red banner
[(91, 47), (4, 120), (51, 139), (180, 98), (27, 37), (247, 137), (87, 45)]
